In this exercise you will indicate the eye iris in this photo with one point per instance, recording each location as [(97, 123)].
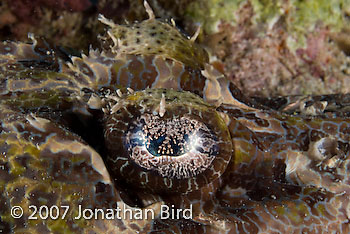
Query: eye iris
[(170, 137), (176, 148)]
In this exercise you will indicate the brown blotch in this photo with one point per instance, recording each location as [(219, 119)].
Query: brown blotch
[(114, 70), (266, 138), (133, 225), (303, 140), (135, 68), (151, 73), (344, 147), (191, 80), (208, 206), (236, 112), (262, 122), (316, 135), (123, 77), (24, 160), (291, 132), (257, 143), (135, 65), (237, 94), (314, 198), (279, 170), (329, 127), (40, 194)]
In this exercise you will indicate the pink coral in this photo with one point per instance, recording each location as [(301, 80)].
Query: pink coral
[(259, 60)]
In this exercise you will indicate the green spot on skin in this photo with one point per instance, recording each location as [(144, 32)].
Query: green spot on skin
[(77, 159), (322, 209), (28, 100), (7, 218), (16, 169), (281, 211), (59, 226), (135, 97), (241, 157)]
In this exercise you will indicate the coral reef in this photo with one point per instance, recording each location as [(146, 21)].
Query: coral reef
[(267, 48), (281, 49), (261, 62)]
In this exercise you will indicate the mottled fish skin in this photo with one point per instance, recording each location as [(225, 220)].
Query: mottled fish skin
[(259, 166), (43, 164), (332, 105)]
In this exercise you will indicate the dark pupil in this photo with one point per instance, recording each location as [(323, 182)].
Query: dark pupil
[(167, 145)]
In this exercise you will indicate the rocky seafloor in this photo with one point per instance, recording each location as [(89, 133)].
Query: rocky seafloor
[(267, 48)]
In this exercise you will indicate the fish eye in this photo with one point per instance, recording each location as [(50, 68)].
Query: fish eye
[(179, 147), (166, 141)]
